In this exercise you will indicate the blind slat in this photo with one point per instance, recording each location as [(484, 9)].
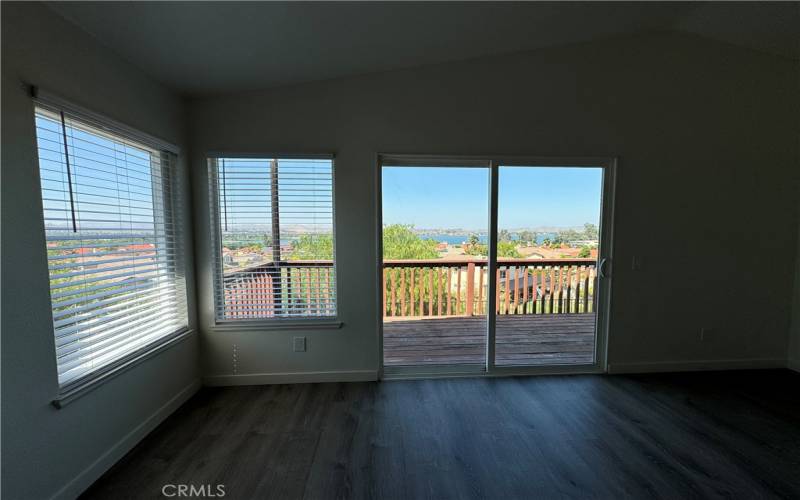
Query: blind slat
[(77, 314), (100, 355)]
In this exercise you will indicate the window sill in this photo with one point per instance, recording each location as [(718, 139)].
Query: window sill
[(82, 388), (278, 324)]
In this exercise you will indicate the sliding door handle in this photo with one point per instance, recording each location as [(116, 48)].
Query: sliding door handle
[(602, 268)]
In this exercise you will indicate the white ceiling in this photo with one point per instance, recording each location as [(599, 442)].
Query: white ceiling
[(217, 47)]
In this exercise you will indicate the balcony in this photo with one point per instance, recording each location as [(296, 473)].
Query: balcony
[(434, 311)]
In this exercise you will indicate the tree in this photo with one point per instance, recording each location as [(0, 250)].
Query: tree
[(568, 235), (313, 247), (585, 252), (474, 246), (504, 235), (401, 242), (590, 231), (507, 249), (528, 237), (477, 249), (504, 249)]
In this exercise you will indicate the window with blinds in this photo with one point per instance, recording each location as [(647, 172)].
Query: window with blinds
[(116, 282), (274, 242)]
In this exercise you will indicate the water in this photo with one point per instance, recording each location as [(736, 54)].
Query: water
[(457, 239)]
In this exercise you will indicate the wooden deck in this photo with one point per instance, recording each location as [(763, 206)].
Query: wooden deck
[(521, 340)]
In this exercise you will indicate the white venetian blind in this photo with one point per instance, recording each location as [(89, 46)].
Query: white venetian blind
[(274, 241), (116, 282)]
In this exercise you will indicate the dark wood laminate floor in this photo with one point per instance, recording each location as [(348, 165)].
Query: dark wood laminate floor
[(694, 435)]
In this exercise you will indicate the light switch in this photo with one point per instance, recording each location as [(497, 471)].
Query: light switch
[(299, 344)]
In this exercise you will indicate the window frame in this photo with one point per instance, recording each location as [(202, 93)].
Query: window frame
[(263, 324), (168, 156)]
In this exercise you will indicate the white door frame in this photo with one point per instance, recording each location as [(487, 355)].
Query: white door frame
[(605, 261)]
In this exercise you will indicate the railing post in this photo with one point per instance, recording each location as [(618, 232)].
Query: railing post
[(586, 290), (393, 293), (402, 291), (439, 291), (497, 291), (421, 291), (470, 286), (383, 293), (274, 273), (481, 306), (308, 289), (430, 292), (458, 290), (507, 293), (449, 291), (525, 290)]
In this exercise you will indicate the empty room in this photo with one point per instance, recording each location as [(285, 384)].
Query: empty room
[(400, 250)]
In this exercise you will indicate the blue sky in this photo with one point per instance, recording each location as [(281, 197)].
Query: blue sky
[(451, 197), (112, 182)]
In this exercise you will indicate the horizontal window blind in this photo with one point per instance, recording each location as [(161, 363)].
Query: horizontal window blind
[(274, 243), (114, 258)]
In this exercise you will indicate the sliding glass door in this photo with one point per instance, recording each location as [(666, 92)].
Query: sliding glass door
[(434, 269), (493, 265), (548, 239)]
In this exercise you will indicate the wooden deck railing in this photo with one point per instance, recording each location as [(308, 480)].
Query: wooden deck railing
[(418, 288), (436, 288), (290, 288)]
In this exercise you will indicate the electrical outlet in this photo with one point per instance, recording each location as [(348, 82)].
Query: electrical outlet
[(299, 344), (637, 263)]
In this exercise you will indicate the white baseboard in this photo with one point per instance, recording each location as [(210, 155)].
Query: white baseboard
[(701, 365), (793, 364), (89, 475), (291, 378)]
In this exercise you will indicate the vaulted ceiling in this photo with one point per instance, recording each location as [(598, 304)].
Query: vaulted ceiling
[(218, 47)]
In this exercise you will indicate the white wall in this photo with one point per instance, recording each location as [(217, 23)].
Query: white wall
[(706, 193), (49, 452)]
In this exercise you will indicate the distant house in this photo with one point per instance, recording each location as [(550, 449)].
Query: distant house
[(515, 280), (143, 246), (441, 247)]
